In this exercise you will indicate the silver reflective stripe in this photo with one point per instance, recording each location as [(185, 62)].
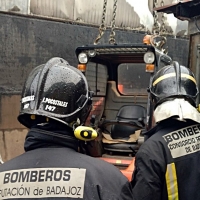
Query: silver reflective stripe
[(1, 161), (171, 182)]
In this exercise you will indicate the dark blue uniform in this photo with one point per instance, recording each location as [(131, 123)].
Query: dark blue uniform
[(167, 164), (52, 168)]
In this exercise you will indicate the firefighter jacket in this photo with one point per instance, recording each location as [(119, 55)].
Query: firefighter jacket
[(167, 163), (51, 168)]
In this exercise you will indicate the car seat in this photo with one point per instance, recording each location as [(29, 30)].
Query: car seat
[(130, 118)]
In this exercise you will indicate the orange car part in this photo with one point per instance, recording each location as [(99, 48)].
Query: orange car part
[(121, 164), (128, 172)]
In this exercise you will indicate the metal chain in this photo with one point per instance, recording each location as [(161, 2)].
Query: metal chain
[(156, 27), (162, 28), (112, 33), (163, 32), (158, 40), (102, 26)]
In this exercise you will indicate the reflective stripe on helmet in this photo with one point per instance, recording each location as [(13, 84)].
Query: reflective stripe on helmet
[(173, 75)]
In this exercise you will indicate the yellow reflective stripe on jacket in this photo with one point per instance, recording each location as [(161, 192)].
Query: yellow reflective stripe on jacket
[(171, 181)]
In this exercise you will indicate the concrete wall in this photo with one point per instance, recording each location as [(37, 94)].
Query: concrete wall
[(12, 133), (27, 42)]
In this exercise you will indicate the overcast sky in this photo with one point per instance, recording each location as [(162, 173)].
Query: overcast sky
[(142, 9)]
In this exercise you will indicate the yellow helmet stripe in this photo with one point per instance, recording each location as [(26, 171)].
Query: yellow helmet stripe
[(172, 75), (163, 77), (189, 77)]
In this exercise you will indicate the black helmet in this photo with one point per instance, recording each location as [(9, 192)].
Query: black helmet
[(57, 91), (173, 81)]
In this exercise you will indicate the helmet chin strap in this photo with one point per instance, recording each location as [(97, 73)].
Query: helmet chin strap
[(75, 124)]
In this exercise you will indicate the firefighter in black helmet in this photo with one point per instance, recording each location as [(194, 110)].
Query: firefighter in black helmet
[(167, 163), (55, 101)]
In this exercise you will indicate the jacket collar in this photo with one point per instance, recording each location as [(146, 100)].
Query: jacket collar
[(47, 135)]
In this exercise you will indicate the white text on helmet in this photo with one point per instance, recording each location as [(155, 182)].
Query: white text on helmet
[(28, 98), (54, 102)]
